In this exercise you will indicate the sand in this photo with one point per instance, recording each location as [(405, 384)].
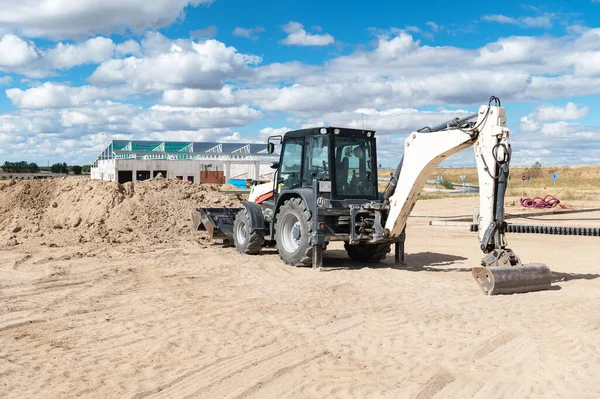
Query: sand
[(71, 211), (174, 316)]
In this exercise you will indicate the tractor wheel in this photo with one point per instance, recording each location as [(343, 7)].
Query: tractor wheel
[(292, 233), (246, 239), (370, 253)]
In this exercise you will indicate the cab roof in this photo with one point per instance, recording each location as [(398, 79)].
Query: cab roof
[(314, 131)]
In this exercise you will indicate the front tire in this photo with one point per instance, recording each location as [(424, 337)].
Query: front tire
[(369, 253), (246, 239), (293, 229)]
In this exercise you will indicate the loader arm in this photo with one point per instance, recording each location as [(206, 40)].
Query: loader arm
[(501, 270)]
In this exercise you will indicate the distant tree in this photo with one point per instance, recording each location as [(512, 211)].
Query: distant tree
[(64, 168), (86, 168), (76, 169), (56, 168), (20, 167)]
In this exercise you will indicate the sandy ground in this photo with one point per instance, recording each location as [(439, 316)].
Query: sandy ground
[(180, 318)]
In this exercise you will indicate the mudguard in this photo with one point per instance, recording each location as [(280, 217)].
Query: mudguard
[(305, 193), (257, 218)]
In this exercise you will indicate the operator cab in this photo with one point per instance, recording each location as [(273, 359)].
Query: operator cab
[(345, 157)]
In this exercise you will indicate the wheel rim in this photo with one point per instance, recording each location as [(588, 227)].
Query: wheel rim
[(291, 233), (240, 233)]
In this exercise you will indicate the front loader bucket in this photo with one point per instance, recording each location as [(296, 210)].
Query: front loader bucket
[(218, 222), (513, 279)]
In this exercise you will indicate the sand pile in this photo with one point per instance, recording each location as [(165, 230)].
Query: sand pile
[(69, 211)]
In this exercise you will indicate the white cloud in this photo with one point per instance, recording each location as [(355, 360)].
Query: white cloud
[(54, 95), (284, 71), (433, 26), (546, 135), (528, 124), (569, 112), (396, 47), (297, 36), (516, 50), (266, 132), (558, 143), (5, 80), (186, 64), (200, 98), (541, 21), (16, 52), (411, 28), (250, 33), (536, 121), (35, 134), (155, 43), (68, 19), (234, 137), (397, 121), (204, 89), (160, 117), (129, 47), (95, 50), (21, 56)]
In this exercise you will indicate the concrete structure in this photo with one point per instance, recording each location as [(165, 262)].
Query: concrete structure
[(125, 161)]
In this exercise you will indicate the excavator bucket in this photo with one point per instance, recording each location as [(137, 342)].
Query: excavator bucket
[(218, 222), (513, 279)]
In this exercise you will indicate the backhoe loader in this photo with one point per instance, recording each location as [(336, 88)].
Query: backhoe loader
[(325, 189)]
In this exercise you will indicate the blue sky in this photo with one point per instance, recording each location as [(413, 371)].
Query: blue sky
[(73, 76)]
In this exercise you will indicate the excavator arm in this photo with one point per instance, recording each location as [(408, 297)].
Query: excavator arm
[(501, 270)]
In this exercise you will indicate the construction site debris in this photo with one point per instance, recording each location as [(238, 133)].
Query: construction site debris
[(549, 201)]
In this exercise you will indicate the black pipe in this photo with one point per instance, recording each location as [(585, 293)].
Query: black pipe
[(552, 230)]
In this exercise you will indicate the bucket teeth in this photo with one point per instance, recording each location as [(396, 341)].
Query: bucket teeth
[(513, 279)]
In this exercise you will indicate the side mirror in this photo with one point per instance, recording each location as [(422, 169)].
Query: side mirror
[(270, 148)]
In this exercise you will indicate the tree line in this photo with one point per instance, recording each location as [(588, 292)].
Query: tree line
[(20, 167), (26, 167)]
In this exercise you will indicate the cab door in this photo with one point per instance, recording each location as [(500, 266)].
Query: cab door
[(316, 159), (289, 174)]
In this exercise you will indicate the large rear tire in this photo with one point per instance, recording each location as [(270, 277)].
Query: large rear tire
[(246, 239), (293, 229), (370, 253)]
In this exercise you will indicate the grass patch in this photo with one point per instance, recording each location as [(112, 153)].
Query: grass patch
[(575, 183)]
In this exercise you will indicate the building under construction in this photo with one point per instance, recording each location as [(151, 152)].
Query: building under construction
[(196, 162)]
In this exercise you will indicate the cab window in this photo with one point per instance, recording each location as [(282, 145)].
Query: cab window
[(290, 169), (316, 163), (354, 167)]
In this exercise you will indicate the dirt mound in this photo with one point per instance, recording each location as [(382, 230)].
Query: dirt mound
[(69, 211)]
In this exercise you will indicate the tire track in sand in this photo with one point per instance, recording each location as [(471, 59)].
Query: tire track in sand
[(18, 319), (212, 374), (282, 358)]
